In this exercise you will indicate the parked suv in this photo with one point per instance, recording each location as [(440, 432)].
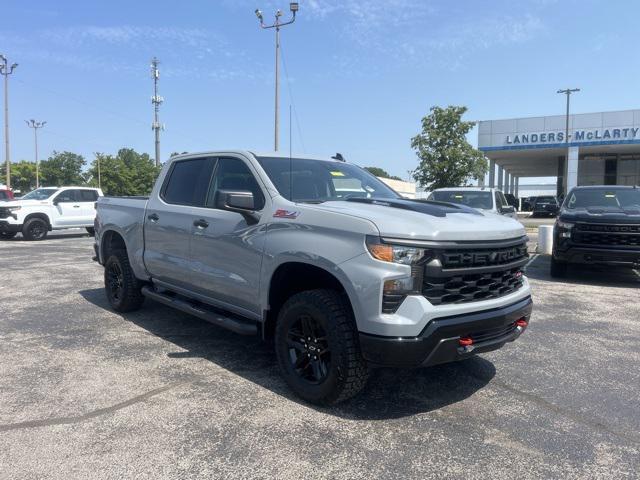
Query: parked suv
[(545, 206), (49, 208), (598, 225), (484, 199), (5, 194), (323, 259)]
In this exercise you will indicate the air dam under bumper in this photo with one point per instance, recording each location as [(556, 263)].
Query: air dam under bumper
[(439, 342), (9, 227), (599, 256)]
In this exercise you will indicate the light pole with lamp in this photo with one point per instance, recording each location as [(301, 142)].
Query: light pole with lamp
[(6, 70), (294, 7), (36, 125)]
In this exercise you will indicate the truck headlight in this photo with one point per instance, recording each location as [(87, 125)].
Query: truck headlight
[(394, 253), (564, 228), (13, 209), (395, 291)]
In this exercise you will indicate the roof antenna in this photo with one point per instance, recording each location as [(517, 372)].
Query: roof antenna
[(290, 160), (339, 157)]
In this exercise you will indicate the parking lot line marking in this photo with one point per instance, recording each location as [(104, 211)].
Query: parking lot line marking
[(535, 255)]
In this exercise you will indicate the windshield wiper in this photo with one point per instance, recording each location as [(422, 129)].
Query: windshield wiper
[(314, 202)]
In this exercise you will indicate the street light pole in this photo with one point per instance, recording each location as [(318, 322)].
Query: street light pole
[(294, 7), (36, 125), (6, 70), (567, 92)]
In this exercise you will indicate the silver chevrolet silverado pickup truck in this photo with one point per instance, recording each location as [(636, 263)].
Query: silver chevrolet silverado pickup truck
[(323, 259)]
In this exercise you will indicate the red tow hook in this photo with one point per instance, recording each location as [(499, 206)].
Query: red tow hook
[(521, 324), (466, 344)]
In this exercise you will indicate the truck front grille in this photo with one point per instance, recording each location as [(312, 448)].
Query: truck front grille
[(607, 235), (468, 274)]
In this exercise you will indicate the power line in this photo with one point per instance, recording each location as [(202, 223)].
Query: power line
[(293, 103)]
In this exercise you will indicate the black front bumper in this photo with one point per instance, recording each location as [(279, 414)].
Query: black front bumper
[(598, 256), (439, 341), (9, 227)]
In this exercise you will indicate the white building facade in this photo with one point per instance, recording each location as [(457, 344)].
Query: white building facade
[(602, 149)]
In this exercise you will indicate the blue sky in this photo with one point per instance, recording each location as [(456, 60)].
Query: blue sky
[(362, 73)]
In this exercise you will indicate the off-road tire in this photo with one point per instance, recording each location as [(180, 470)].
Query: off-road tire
[(7, 235), (347, 370), (558, 269), (35, 229), (122, 288)]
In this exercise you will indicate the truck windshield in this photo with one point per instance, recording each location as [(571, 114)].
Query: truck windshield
[(40, 194), (605, 198), (317, 181), (471, 198)]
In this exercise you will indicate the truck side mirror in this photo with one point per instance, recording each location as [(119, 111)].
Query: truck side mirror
[(236, 200), (508, 209)]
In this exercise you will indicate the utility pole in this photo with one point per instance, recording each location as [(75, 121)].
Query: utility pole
[(294, 7), (156, 100), (6, 70), (567, 92), (36, 125)]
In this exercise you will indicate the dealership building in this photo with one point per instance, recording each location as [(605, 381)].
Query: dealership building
[(602, 149)]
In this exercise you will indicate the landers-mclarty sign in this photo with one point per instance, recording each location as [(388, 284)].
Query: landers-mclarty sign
[(597, 135)]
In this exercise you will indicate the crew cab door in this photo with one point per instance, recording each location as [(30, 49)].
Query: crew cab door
[(169, 220), (67, 211), (88, 199), (226, 246)]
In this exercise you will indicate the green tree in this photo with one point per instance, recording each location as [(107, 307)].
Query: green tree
[(23, 176), (446, 157), (381, 172), (62, 169), (126, 173)]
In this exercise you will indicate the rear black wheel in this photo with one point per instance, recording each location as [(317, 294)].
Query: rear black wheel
[(317, 347), (7, 235), (123, 289), (35, 229)]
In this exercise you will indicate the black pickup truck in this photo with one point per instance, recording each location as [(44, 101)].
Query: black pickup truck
[(598, 225)]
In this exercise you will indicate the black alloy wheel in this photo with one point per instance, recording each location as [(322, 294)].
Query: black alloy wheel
[(309, 352), (115, 282)]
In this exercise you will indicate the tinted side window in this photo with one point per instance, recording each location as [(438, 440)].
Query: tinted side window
[(67, 196), (234, 175), (188, 182), (3, 195), (88, 195), (499, 202)]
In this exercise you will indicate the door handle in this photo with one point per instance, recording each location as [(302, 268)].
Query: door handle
[(76, 206), (201, 223), (153, 217)]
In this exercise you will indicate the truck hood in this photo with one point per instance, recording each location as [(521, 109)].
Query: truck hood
[(602, 215), (437, 221), (24, 203)]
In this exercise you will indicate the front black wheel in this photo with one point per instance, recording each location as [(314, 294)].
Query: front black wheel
[(7, 235), (35, 229), (317, 348), (558, 268), (123, 289)]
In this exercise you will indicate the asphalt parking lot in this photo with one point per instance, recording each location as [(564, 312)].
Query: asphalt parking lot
[(88, 393)]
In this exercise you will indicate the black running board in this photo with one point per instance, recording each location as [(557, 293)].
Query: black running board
[(243, 327)]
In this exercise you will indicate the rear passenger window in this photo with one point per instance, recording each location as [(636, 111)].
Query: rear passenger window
[(68, 196), (88, 195), (188, 182)]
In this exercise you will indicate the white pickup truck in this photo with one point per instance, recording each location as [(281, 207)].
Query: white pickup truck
[(49, 208)]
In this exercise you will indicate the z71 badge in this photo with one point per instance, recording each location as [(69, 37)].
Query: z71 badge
[(281, 213)]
